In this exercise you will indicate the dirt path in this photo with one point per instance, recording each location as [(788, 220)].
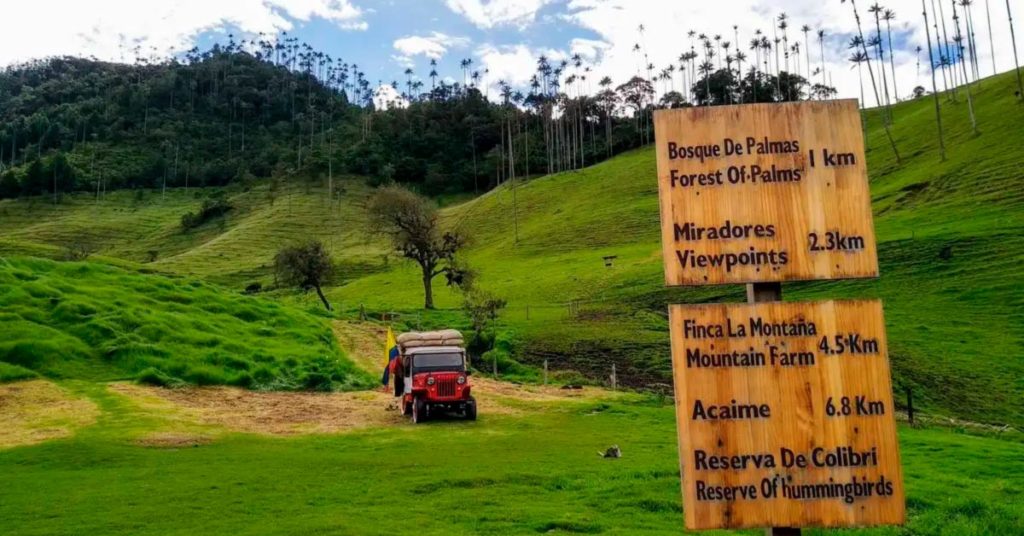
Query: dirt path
[(291, 413)]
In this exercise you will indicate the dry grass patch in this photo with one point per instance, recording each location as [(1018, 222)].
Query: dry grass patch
[(276, 413), (37, 410)]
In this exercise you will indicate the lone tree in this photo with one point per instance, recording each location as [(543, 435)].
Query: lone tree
[(411, 222), (306, 266)]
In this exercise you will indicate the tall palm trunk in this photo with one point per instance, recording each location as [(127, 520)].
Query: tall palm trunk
[(1013, 43), (881, 67), (860, 76), (892, 61), (821, 43)]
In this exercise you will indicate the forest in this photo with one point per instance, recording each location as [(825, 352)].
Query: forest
[(281, 109)]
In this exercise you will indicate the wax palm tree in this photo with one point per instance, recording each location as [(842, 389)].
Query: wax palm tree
[(736, 39), (959, 39), (740, 56), (821, 45), (433, 75), (766, 48), (807, 47), (877, 11), (784, 26), (795, 49), (972, 47), (755, 47), (874, 86), (718, 39), (858, 57), (408, 83), (935, 89)]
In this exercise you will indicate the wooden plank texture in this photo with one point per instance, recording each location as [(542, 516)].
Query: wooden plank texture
[(777, 428), (764, 192)]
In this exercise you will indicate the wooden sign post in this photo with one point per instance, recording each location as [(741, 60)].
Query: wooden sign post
[(784, 410)]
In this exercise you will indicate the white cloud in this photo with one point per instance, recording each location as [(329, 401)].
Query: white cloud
[(590, 49), (386, 97), (513, 64), (110, 29), (433, 46), (491, 13)]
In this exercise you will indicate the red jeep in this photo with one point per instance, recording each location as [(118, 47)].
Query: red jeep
[(435, 381)]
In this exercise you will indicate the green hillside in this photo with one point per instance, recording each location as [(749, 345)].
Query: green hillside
[(144, 226), (950, 246), (89, 320)]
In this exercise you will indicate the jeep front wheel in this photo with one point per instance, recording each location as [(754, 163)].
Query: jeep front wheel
[(419, 411)]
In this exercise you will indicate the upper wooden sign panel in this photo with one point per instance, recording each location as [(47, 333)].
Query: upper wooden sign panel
[(764, 192)]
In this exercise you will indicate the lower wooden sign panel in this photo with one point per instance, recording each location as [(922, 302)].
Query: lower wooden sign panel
[(785, 415)]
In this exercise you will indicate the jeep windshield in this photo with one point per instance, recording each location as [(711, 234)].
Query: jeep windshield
[(441, 361)]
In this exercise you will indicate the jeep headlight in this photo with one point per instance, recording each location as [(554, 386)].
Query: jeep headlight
[(461, 380), (430, 380)]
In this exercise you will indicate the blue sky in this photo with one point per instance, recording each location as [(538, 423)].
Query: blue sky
[(505, 36)]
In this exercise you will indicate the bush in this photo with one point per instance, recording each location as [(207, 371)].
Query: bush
[(154, 376), (254, 288), (212, 207)]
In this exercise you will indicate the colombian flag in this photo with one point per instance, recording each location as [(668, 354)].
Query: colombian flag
[(390, 355)]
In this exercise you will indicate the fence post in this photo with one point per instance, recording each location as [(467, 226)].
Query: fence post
[(545, 372), (910, 405), (615, 380), (495, 361)]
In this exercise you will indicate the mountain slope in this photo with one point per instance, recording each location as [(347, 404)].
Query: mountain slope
[(950, 247), (235, 249)]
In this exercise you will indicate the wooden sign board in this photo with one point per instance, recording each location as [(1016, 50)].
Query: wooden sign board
[(764, 192), (785, 415)]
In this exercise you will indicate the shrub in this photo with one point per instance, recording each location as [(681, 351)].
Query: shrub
[(211, 208)]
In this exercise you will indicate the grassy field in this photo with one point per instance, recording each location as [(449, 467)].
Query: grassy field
[(489, 477), (95, 321)]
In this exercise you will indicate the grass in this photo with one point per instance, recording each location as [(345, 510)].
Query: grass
[(144, 226), (489, 477), (950, 245), (99, 322)]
